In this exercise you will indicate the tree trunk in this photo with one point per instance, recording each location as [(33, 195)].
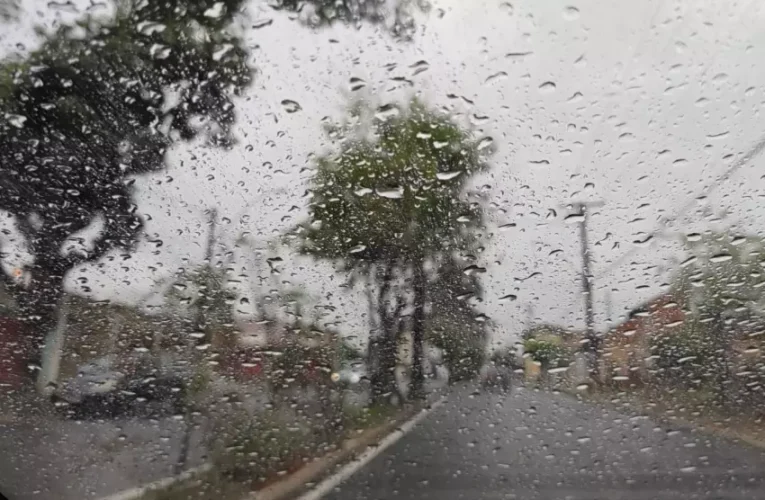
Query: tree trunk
[(38, 305), (50, 361), (382, 346), (417, 383)]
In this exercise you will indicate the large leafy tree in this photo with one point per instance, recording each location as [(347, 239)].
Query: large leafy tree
[(721, 286), (391, 203), (99, 102)]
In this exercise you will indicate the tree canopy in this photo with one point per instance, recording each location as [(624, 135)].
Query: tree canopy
[(391, 203)]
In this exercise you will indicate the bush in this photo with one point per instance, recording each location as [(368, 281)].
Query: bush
[(251, 449), (687, 357), (546, 353)]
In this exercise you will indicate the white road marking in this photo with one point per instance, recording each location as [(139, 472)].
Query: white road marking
[(351, 468)]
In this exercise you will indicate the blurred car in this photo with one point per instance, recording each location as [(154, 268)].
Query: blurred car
[(350, 374), (99, 391)]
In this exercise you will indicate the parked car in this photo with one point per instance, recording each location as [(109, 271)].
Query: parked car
[(350, 373), (99, 391)]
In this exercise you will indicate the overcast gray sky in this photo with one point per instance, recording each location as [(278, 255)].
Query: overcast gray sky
[(640, 104)]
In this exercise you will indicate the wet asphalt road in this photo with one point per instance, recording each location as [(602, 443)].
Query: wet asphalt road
[(537, 445)]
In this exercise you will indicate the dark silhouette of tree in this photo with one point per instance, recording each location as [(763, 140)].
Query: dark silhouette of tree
[(391, 204), (99, 102)]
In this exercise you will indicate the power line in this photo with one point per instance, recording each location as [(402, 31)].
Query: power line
[(750, 155)]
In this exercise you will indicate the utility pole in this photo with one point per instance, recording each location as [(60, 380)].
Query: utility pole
[(202, 304), (609, 309), (203, 339), (529, 317), (580, 211)]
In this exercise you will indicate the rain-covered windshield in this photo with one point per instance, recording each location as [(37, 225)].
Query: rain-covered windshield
[(380, 249)]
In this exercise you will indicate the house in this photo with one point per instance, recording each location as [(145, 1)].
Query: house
[(626, 348)]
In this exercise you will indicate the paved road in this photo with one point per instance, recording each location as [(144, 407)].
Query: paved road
[(70, 460), (533, 445)]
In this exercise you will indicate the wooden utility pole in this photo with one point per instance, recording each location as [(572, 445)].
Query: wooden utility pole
[(580, 212), (203, 302)]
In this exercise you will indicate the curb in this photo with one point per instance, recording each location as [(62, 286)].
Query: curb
[(362, 448), (305, 478)]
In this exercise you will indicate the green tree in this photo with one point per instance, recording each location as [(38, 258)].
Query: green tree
[(720, 284), (547, 352), (391, 203), (99, 102)]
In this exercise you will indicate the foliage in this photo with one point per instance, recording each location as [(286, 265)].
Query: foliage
[(206, 293), (723, 276), (100, 101), (396, 15), (396, 193), (253, 449), (720, 286), (546, 352), (686, 356), (391, 201), (506, 357)]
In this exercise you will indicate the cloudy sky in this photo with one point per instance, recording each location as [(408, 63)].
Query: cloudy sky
[(641, 105)]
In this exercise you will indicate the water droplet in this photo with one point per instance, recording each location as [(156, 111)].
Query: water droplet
[(363, 192), (626, 137), (357, 83), (571, 13), (721, 257), (687, 262), (291, 106), (357, 249), (16, 120), (393, 193), (447, 176), (574, 218), (262, 23), (680, 162), (215, 11), (501, 75), (159, 51), (547, 87), (473, 269), (419, 67), (508, 298), (539, 163), (387, 112), (717, 136), (484, 143)]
